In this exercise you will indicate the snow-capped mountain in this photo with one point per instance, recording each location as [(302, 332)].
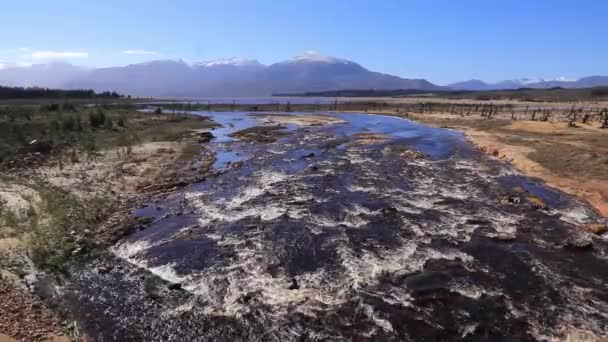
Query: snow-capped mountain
[(315, 57), (310, 71), (238, 62)]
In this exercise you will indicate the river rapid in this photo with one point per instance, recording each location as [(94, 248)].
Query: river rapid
[(375, 228)]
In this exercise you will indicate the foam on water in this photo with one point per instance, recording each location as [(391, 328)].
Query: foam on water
[(372, 235)]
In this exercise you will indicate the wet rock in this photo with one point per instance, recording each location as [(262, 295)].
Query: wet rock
[(596, 228), (412, 154), (294, 284), (511, 200), (477, 222), (205, 137), (537, 203), (581, 243), (245, 299), (505, 237), (144, 220), (181, 183), (310, 155), (388, 210), (104, 269), (174, 286)]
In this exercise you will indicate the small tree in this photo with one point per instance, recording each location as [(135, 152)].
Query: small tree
[(108, 124), (68, 123), (90, 144), (78, 123)]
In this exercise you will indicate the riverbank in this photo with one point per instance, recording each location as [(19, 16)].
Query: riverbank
[(72, 199), (573, 160)]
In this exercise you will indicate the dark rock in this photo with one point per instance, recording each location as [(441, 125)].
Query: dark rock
[(582, 243), (237, 164), (477, 222), (310, 155), (205, 137), (181, 183), (174, 286), (104, 269), (144, 220), (246, 298), (388, 210), (294, 284)]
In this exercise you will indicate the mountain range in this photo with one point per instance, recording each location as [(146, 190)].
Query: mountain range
[(477, 85), (309, 72), (225, 77)]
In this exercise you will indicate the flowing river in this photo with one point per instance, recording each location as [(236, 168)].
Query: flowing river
[(370, 228)]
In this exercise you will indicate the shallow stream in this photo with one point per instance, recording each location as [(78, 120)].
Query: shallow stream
[(324, 236)]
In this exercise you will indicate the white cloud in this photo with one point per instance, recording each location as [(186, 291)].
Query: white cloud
[(140, 52), (58, 54)]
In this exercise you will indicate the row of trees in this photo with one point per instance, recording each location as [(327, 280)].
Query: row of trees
[(37, 93)]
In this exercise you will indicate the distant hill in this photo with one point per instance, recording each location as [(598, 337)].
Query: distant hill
[(477, 85), (51, 75), (228, 77), (373, 93)]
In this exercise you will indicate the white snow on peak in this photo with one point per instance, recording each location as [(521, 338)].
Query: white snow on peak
[(229, 61), (315, 56), (530, 80), (9, 65)]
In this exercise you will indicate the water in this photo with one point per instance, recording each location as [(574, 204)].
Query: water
[(254, 100), (317, 236)]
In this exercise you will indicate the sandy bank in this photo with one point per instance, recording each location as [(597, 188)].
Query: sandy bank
[(300, 120)]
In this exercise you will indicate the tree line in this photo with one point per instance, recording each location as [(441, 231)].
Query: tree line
[(37, 93)]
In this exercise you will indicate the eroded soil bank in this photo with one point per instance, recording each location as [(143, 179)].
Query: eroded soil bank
[(366, 227)]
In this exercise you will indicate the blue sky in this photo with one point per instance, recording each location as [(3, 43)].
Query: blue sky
[(440, 40)]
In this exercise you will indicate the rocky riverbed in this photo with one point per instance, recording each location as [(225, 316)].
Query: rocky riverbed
[(362, 227)]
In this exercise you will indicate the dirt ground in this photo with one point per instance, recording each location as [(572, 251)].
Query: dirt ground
[(25, 318), (573, 160)]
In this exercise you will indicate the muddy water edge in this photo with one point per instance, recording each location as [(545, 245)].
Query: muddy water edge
[(319, 234)]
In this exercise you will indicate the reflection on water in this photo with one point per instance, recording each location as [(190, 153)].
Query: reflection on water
[(252, 100)]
